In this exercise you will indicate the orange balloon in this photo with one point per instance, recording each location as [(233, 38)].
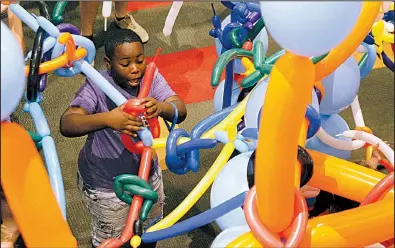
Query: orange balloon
[(28, 191), (343, 51), (58, 62), (291, 79)]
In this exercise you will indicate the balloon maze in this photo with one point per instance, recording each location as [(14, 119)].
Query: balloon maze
[(282, 121)]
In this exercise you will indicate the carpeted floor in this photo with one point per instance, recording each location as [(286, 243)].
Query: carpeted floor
[(191, 31)]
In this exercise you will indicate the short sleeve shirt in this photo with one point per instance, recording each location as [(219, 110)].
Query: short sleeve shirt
[(103, 157)]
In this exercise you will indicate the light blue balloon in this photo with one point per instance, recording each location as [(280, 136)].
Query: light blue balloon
[(333, 125), (370, 61), (238, 67), (341, 88), (13, 77), (25, 16), (48, 44), (310, 28), (228, 235), (219, 95), (54, 172), (231, 181), (51, 29), (79, 41), (256, 100), (100, 82)]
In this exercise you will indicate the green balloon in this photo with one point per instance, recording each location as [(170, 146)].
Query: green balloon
[(58, 11)]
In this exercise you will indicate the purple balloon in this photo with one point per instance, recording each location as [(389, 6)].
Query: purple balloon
[(67, 27), (241, 126)]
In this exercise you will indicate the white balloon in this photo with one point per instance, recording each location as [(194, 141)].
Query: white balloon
[(171, 17), (228, 235), (310, 28), (13, 77), (231, 181), (387, 5)]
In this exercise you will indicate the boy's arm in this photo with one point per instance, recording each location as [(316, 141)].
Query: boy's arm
[(77, 122), (167, 110)]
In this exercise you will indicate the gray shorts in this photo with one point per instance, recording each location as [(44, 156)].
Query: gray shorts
[(109, 213)]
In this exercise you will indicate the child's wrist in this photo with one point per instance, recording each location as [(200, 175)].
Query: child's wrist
[(105, 119), (161, 108)]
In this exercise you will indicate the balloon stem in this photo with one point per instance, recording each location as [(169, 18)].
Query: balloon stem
[(212, 6), (157, 54)]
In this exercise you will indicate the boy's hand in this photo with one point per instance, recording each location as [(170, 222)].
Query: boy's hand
[(152, 106), (123, 122)]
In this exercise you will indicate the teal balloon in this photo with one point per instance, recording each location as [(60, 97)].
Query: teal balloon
[(310, 28), (341, 88), (333, 125), (13, 77), (219, 95), (238, 67)]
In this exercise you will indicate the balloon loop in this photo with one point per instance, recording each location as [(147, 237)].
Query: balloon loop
[(296, 230), (33, 79), (178, 156), (125, 186)]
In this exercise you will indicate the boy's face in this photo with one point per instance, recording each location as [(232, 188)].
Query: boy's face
[(127, 64)]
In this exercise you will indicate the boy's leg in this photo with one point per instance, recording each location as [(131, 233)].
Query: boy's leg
[(88, 10), (108, 213), (125, 20)]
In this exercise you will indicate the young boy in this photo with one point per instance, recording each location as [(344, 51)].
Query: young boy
[(103, 156)]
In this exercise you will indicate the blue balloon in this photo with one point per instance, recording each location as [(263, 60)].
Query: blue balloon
[(333, 125), (219, 95), (13, 77), (310, 28), (196, 221), (341, 88), (238, 67)]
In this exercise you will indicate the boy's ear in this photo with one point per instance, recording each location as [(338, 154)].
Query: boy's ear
[(107, 61)]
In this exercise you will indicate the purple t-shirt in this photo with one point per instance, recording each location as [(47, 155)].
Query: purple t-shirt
[(103, 156)]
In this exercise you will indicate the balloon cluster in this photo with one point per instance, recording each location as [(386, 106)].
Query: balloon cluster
[(241, 119), (13, 84), (336, 92), (242, 25), (70, 54)]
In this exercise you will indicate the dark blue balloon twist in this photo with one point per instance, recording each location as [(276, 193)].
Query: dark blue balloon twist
[(182, 158)]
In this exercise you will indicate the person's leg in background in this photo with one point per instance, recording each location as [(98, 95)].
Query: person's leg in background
[(15, 25), (124, 19), (88, 11)]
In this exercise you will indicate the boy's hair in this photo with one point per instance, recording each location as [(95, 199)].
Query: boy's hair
[(118, 37)]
